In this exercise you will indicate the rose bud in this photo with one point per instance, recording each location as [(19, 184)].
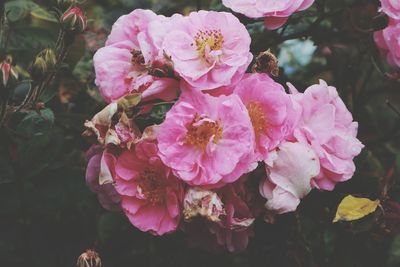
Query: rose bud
[(89, 258), (44, 62), (74, 20), (7, 72)]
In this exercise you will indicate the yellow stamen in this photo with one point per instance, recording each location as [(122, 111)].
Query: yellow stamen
[(200, 132), (152, 186), (209, 38), (257, 116)]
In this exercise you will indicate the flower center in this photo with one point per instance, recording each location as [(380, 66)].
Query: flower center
[(208, 40), (137, 58), (257, 116), (151, 186), (201, 130)]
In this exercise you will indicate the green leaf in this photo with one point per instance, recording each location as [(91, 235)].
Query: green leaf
[(43, 14), (39, 141), (36, 123), (19, 9), (28, 38)]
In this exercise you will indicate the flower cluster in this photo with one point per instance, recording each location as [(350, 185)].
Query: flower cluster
[(233, 146), (388, 39)]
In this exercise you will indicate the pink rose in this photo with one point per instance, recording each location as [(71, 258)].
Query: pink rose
[(207, 140), (151, 195), (209, 49), (391, 8), (109, 127), (270, 110), (132, 50), (328, 126), (276, 13), (388, 41), (289, 172), (234, 228), (99, 172)]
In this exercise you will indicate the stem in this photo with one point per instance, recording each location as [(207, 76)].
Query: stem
[(392, 107)]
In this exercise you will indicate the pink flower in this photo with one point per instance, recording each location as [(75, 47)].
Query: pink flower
[(209, 49), (204, 203), (289, 172), (236, 228), (388, 41), (391, 8), (99, 173), (109, 127), (207, 140), (233, 230), (270, 110), (276, 13), (132, 51), (327, 125), (151, 195)]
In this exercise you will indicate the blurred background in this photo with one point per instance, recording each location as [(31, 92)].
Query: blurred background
[(48, 216)]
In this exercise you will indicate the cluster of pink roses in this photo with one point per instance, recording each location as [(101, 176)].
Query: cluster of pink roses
[(388, 39), (227, 130)]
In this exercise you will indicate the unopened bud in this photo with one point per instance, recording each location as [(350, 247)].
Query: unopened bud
[(44, 62), (89, 258), (74, 20), (7, 72), (266, 62)]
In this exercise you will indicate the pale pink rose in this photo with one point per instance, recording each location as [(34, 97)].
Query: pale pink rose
[(208, 49), (99, 172), (270, 109), (391, 8), (388, 41), (151, 195), (276, 13), (327, 125), (111, 128), (233, 230), (203, 203), (132, 50), (289, 172), (207, 140)]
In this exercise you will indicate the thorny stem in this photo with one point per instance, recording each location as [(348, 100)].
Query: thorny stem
[(62, 45)]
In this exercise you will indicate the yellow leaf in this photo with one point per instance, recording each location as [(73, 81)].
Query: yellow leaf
[(354, 208), (129, 101)]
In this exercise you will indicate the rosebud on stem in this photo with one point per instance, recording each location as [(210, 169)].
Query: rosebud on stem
[(73, 20), (44, 63), (7, 72), (89, 258)]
